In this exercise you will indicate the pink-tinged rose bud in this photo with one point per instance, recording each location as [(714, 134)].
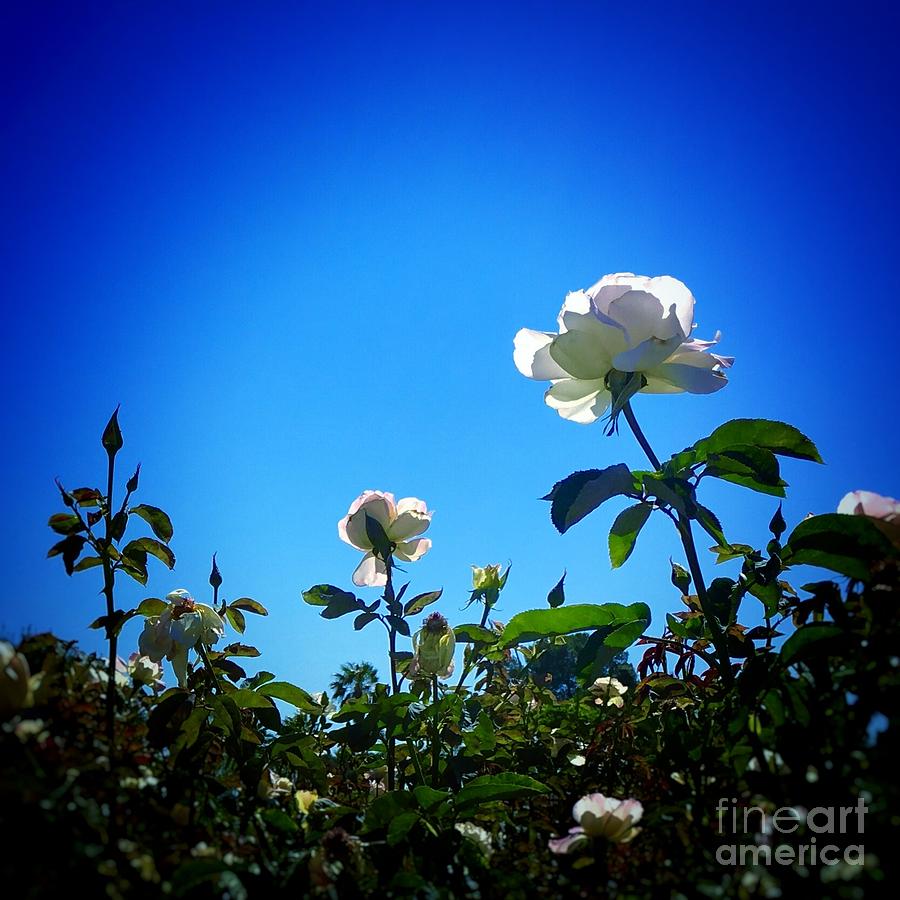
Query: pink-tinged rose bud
[(600, 816), (868, 503), (624, 325), (402, 521)]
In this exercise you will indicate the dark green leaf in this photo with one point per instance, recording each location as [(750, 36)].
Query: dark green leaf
[(89, 562), (710, 523), (290, 693), (557, 595), (323, 594), (401, 826), (846, 544), (475, 634), (152, 606), (582, 492), (506, 786), (160, 524), (236, 619), (809, 640), (625, 531), (65, 523), (764, 434), (362, 620), (420, 601), (751, 467), (248, 605), (70, 548), (401, 626), (87, 497), (381, 543), (341, 605), (153, 547), (237, 649)]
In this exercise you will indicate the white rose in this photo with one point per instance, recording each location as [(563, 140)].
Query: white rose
[(624, 323), (401, 521), (600, 816)]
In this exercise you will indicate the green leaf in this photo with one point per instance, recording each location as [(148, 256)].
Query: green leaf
[(236, 619), (250, 699), (763, 434), (420, 601), (323, 594), (248, 605), (625, 531), (151, 546), (160, 524), (710, 523), (87, 497), (506, 786), (751, 467), (381, 543), (88, 563), (290, 693), (429, 798), (557, 595), (810, 640), (582, 492), (540, 623), (65, 523), (475, 634), (401, 826), (152, 606), (238, 649), (112, 435), (846, 544)]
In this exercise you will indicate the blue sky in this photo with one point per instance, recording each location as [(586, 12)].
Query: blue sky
[(295, 241)]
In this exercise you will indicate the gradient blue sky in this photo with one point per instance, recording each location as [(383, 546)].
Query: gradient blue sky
[(295, 241)]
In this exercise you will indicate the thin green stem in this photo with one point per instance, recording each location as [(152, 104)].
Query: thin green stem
[(392, 644), (209, 667), (112, 632), (435, 734), (690, 550)]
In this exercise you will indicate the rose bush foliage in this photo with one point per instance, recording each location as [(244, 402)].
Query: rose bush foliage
[(234, 783)]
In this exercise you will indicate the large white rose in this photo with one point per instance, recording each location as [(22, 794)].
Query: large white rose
[(625, 323), (402, 522), (178, 628)]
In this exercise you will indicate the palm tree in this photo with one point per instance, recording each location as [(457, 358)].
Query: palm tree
[(353, 680)]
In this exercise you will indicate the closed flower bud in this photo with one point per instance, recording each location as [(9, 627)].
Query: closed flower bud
[(433, 648)]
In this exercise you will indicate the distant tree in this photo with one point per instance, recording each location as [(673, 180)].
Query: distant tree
[(556, 666), (353, 680)]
